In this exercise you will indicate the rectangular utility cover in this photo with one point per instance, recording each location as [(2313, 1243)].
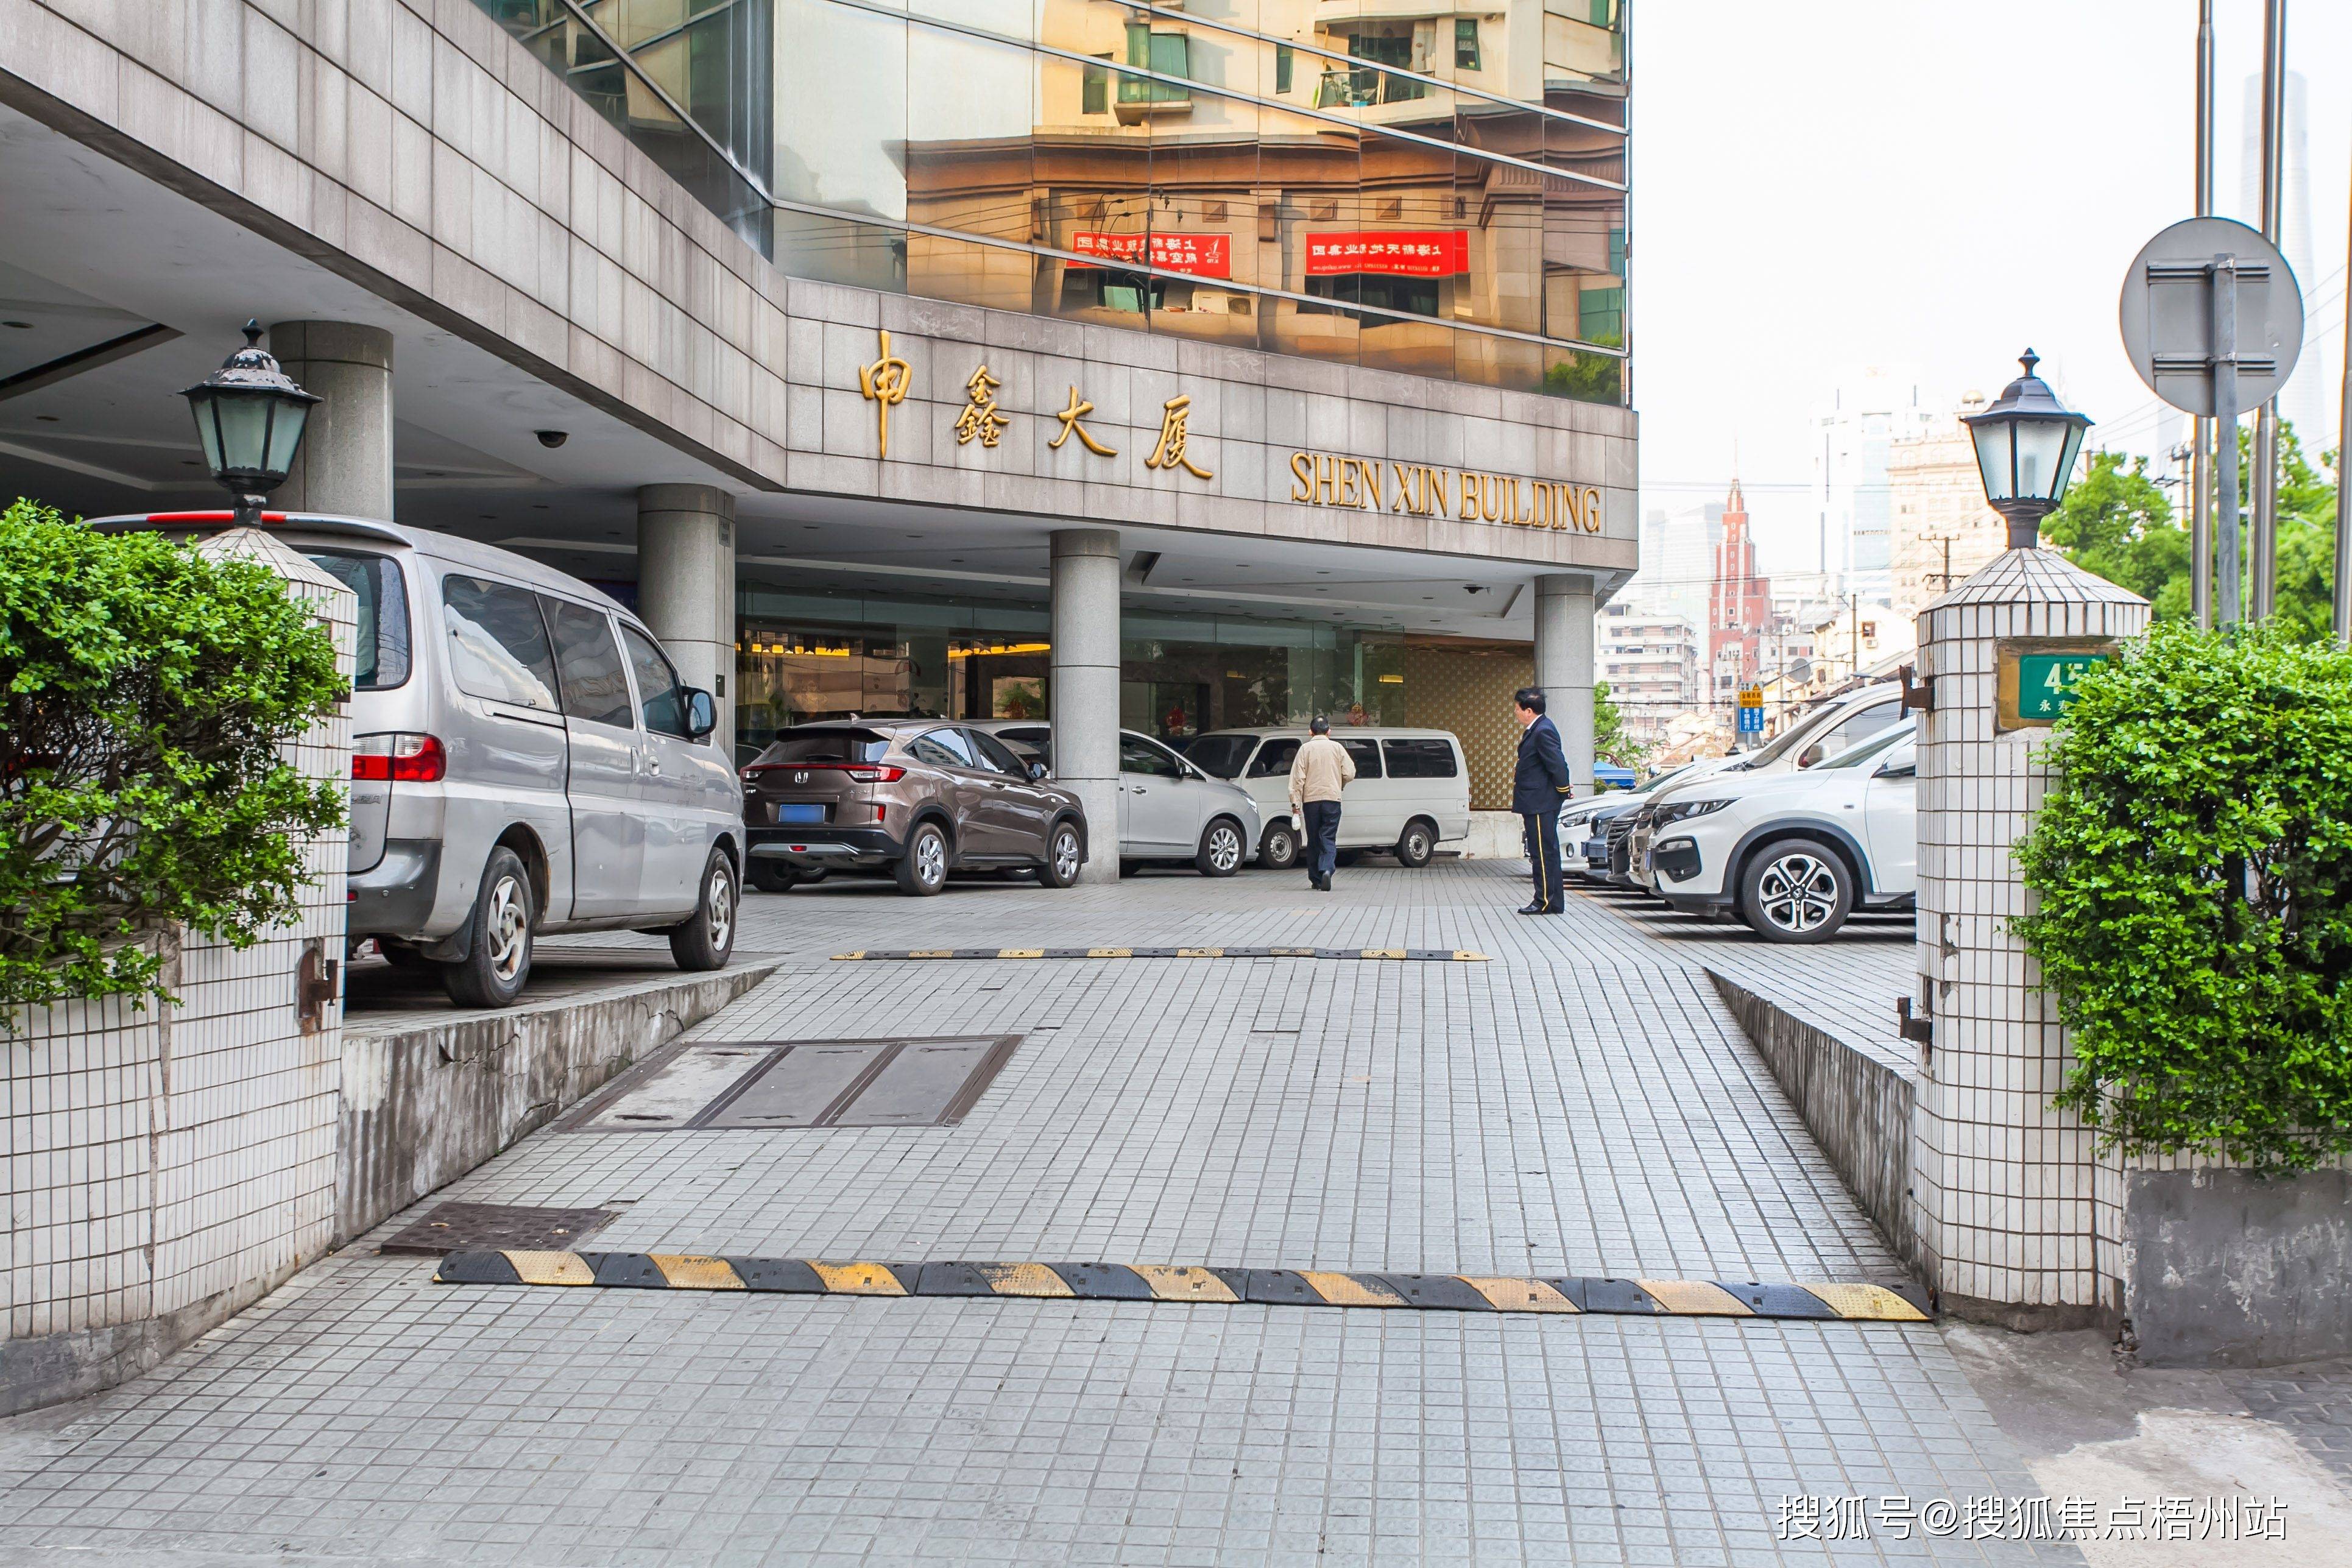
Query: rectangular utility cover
[(784, 1085), (461, 1227), (800, 1085)]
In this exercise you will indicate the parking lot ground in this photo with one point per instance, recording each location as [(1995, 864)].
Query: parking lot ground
[(1579, 1105)]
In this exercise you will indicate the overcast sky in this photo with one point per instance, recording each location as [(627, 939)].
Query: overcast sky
[(1928, 187)]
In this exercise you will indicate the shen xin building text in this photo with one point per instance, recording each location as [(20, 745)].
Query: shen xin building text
[(1327, 479)]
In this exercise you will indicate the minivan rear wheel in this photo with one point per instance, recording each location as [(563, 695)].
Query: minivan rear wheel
[(1416, 844), (1278, 850), (498, 948), (922, 870), (708, 940)]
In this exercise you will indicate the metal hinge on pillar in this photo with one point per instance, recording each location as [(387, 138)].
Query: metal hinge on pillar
[(1919, 1027), (1918, 695), (316, 985)]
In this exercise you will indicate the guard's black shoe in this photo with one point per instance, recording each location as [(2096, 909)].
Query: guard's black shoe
[(1535, 910)]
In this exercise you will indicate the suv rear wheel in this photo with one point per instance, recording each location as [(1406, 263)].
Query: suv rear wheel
[(922, 870), (768, 877), (1222, 848), (1796, 891), (498, 950), (1065, 853)]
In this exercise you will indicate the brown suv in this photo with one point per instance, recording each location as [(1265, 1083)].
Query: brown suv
[(918, 796)]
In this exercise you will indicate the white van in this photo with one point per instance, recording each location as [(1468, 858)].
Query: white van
[(1412, 792)]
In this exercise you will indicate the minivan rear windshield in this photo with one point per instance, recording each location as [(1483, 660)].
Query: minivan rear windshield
[(382, 613), (1222, 755), (825, 746)]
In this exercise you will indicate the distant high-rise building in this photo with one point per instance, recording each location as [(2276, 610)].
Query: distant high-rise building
[(1943, 531), (1651, 663), (1677, 562), (1867, 415), (2306, 399), (1739, 602)]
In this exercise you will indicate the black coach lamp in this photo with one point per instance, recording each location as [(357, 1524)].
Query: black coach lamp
[(2026, 444), (250, 417)]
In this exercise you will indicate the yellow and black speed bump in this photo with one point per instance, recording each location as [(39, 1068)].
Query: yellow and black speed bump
[(1394, 954), (1899, 1303)]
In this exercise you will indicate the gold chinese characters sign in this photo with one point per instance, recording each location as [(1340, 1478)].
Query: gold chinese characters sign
[(1368, 484), (1318, 478)]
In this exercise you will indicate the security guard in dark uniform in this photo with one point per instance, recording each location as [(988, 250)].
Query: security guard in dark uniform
[(1537, 791)]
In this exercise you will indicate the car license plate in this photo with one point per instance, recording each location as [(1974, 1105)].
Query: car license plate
[(801, 811)]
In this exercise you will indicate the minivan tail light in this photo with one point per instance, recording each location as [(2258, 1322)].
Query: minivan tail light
[(399, 758)]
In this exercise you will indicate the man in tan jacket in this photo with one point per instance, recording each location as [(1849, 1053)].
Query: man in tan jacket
[(1320, 770)]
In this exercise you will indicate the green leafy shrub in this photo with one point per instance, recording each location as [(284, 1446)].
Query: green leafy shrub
[(144, 692), (2194, 867)]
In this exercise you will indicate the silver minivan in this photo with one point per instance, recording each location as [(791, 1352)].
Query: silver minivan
[(525, 760)]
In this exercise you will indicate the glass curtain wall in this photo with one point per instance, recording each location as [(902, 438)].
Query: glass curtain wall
[(801, 657), (1406, 187)]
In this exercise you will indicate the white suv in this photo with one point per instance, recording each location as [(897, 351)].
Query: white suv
[(1836, 724), (1793, 854)]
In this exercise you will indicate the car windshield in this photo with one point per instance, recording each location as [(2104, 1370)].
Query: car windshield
[(1855, 755), (827, 746), (1222, 754), (1797, 734), (1663, 779)]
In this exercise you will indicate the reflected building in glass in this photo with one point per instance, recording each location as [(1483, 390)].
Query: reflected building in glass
[(1406, 187), (1414, 188)]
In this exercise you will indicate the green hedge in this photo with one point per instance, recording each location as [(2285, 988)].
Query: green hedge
[(145, 691), (2193, 868)]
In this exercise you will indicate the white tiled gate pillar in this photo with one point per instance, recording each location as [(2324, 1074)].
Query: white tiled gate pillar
[(2002, 1185), (178, 1163)]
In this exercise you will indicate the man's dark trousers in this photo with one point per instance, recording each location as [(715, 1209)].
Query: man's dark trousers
[(1322, 827), (1542, 829)]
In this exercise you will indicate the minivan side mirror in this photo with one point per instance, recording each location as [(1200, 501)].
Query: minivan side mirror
[(702, 714)]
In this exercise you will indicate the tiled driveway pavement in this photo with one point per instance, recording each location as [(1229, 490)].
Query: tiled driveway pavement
[(1580, 1105)]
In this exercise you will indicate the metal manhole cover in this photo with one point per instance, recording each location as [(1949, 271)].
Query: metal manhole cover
[(784, 1084), (462, 1227)]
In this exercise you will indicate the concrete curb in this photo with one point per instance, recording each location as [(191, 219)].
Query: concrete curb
[(425, 1105)]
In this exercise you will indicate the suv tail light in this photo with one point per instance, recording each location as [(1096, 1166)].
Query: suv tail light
[(860, 772), (405, 758)]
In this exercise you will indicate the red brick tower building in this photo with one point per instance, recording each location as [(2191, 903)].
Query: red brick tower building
[(1739, 604)]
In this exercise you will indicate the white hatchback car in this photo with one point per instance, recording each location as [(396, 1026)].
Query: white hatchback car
[(1794, 854), (1169, 810)]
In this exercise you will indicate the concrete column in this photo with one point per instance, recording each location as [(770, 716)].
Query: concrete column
[(1085, 694), (685, 587), (345, 464), (1564, 666)]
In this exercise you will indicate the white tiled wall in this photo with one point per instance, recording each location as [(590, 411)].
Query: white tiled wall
[(159, 1159), (2005, 1186)]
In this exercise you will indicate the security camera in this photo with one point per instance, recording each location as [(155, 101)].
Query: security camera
[(550, 439)]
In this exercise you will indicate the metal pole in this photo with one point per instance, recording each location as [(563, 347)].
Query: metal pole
[(2201, 475), (2225, 452), (2344, 496), (2265, 542)]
